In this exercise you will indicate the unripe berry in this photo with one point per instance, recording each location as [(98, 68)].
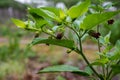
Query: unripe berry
[(69, 51)]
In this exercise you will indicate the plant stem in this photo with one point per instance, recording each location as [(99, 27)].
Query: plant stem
[(73, 30), (99, 49), (98, 40), (80, 51), (83, 33), (107, 68), (48, 33), (84, 57)]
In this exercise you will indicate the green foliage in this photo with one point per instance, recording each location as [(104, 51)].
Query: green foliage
[(114, 29), (80, 22), (63, 43), (101, 62), (88, 70), (52, 9), (78, 10), (64, 68), (116, 69), (105, 40), (45, 13), (19, 23), (96, 18)]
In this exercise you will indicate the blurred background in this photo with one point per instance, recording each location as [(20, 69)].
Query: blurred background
[(17, 62)]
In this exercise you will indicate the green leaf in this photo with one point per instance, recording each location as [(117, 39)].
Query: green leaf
[(63, 43), (46, 14), (57, 11), (52, 9), (64, 68), (52, 15), (100, 62), (88, 70), (93, 20), (77, 22), (62, 14), (78, 10), (107, 38), (55, 28), (39, 21), (114, 55), (19, 23), (116, 68), (106, 42)]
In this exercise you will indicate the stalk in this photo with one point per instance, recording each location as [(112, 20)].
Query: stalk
[(99, 49), (86, 60), (80, 51)]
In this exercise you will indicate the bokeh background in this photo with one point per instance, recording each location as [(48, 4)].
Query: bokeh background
[(17, 62)]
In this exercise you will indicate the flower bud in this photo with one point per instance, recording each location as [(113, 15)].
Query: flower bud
[(94, 34), (111, 21), (59, 35)]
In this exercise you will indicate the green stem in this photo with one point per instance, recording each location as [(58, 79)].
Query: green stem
[(84, 57), (73, 30), (99, 49), (107, 68), (65, 37), (98, 40), (83, 34), (80, 51), (42, 31), (48, 33)]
